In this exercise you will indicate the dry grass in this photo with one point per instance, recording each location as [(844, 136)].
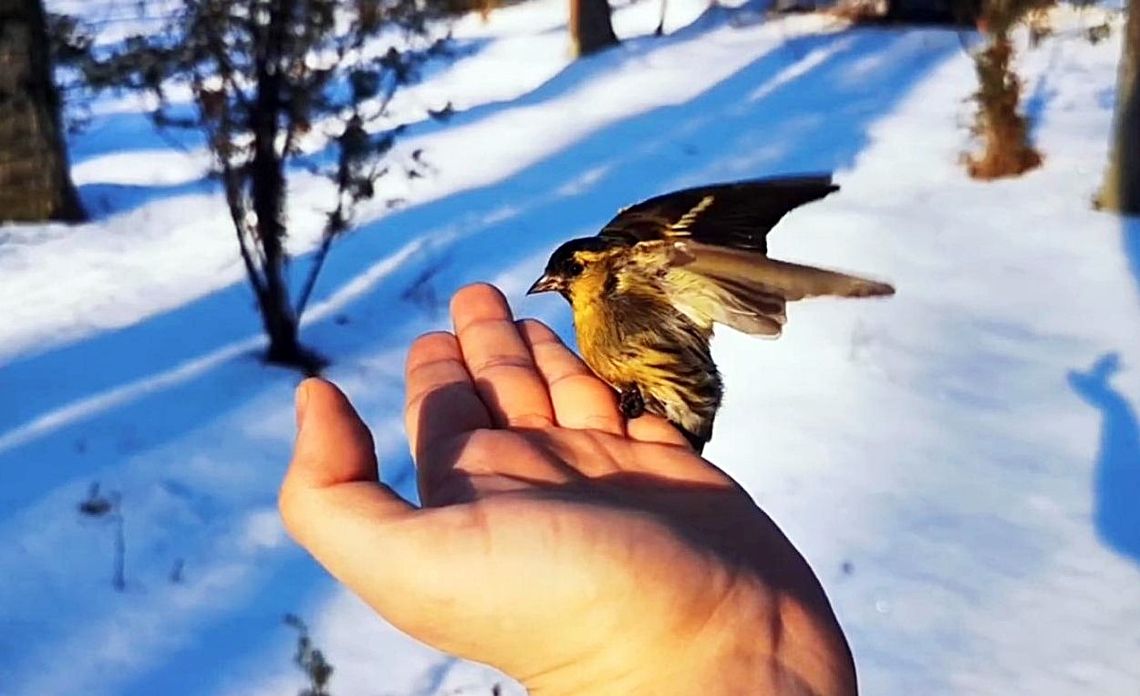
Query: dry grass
[(1003, 130)]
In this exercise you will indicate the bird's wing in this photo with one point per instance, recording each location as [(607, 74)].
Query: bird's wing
[(737, 215), (742, 289)]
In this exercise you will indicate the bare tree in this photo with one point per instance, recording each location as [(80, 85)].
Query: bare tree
[(1120, 191), (34, 180), (266, 75), (590, 27)]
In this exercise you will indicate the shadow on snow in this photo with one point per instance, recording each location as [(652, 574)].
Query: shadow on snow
[(1117, 477)]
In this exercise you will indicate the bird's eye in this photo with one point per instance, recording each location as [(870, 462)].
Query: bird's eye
[(574, 268)]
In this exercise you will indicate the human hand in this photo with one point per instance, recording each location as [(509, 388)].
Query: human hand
[(578, 553)]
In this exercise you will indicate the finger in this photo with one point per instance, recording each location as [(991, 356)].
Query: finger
[(497, 358), (444, 417), (333, 454), (441, 403), (651, 428), (360, 530), (428, 572), (581, 401)]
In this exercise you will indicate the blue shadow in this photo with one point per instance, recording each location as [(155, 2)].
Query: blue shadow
[(104, 200), (816, 120), (1117, 477), (131, 131), (1130, 238), (1039, 99)]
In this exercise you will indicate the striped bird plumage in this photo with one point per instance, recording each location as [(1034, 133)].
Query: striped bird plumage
[(647, 291)]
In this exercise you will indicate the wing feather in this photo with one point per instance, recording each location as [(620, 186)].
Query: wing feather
[(737, 215), (742, 289), (791, 281)]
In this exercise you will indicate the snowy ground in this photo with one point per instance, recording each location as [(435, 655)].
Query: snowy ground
[(961, 464)]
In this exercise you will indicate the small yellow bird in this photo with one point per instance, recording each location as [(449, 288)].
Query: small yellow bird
[(647, 290)]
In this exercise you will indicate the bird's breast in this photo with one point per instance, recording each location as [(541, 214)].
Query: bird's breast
[(600, 334), (641, 341)]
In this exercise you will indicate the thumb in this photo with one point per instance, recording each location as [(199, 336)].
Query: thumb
[(333, 444), (377, 544), (331, 495)]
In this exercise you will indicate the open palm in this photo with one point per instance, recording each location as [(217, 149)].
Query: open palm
[(576, 552)]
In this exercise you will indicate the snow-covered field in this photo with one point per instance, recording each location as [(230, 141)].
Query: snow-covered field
[(960, 464)]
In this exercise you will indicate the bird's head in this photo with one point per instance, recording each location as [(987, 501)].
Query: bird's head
[(571, 264)]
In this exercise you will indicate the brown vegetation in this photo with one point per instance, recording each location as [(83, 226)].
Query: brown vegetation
[(1002, 129)]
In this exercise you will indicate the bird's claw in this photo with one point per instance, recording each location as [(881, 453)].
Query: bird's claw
[(630, 402)]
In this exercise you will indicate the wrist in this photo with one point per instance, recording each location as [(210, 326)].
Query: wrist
[(764, 642), (783, 643), (759, 642)]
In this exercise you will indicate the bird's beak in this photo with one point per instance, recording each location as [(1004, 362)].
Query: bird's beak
[(546, 283)]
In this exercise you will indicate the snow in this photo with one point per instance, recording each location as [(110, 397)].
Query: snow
[(960, 463)]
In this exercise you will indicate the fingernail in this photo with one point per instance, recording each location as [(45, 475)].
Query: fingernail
[(301, 401)]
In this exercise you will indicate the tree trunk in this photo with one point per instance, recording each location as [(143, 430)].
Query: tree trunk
[(267, 193), (35, 184), (1121, 189), (590, 27)]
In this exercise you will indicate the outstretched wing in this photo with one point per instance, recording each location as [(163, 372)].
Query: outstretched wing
[(740, 288), (737, 215)]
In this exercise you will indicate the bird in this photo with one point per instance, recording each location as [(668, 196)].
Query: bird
[(648, 289)]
